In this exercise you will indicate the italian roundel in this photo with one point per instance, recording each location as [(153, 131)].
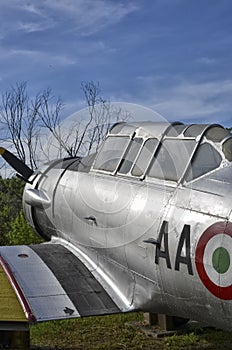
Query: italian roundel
[(213, 259)]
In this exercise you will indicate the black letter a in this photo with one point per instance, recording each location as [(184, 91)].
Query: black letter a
[(163, 253), (185, 238)]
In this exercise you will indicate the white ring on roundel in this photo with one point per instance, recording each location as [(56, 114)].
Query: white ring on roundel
[(218, 241)]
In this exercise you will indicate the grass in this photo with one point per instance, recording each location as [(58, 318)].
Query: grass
[(111, 333)]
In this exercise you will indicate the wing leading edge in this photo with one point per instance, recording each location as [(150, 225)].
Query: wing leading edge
[(52, 283)]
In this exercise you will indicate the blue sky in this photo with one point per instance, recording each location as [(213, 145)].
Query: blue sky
[(174, 56)]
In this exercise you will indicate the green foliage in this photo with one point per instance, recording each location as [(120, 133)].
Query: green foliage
[(180, 341), (10, 204), (20, 232), (95, 333), (13, 226), (112, 332)]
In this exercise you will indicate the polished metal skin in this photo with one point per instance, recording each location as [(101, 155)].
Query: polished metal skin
[(149, 215)]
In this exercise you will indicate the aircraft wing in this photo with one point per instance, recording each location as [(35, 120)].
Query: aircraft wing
[(50, 282)]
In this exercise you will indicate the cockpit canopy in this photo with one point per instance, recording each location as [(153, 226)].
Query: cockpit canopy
[(161, 151)]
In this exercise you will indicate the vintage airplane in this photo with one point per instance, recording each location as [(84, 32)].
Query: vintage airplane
[(144, 224)]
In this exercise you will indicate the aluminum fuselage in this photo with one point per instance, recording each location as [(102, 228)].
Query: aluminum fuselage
[(142, 234)]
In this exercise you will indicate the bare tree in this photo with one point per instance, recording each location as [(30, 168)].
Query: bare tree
[(101, 115), (27, 124), (20, 121), (82, 134)]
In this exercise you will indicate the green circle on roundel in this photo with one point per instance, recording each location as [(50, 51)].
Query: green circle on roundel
[(221, 260)]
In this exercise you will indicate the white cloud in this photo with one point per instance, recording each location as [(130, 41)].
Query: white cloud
[(88, 11), (30, 27), (196, 101), (83, 16), (46, 57), (206, 60), (32, 9), (29, 60), (209, 100)]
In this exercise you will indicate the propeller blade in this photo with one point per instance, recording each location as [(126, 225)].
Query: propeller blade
[(16, 163)]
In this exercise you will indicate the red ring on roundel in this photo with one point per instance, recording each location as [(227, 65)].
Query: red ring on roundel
[(224, 293)]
